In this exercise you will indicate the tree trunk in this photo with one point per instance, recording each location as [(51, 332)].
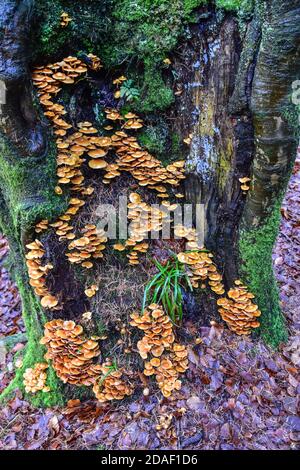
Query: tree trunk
[(228, 87), (237, 102)]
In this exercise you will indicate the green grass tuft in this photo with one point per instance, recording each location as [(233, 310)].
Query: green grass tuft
[(165, 288)]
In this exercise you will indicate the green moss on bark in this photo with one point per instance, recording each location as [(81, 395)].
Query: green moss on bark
[(90, 22), (229, 5), (27, 196), (143, 33), (147, 28), (34, 320), (255, 248), (153, 138), (135, 35), (242, 8), (27, 187)]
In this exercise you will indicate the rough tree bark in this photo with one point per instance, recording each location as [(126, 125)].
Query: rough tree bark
[(236, 75), (240, 94)]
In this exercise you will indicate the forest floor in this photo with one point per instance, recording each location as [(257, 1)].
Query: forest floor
[(237, 394)]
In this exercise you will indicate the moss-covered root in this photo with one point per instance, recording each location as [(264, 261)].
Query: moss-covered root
[(255, 248), (34, 352)]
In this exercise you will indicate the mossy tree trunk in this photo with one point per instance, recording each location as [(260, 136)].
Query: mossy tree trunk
[(238, 104), (234, 72)]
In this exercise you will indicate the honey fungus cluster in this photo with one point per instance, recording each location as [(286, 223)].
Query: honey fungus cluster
[(62, 226), (144, 219), (245, 183), (88, 247), (118, 151), (239, 311), (65, 19), (143, 166), (111, 385), (168, 368), (72, 148), (85, 142), (90, 292), (167, 359), (38, 272), (158, 331), (200, 269), (190, 235), (49, 81), (35, 378), (71, 353)]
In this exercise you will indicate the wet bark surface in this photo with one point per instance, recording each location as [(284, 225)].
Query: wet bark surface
[(222, 146)]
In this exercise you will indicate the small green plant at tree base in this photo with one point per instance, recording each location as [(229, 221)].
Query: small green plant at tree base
[(129, 92), (166, 288)]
